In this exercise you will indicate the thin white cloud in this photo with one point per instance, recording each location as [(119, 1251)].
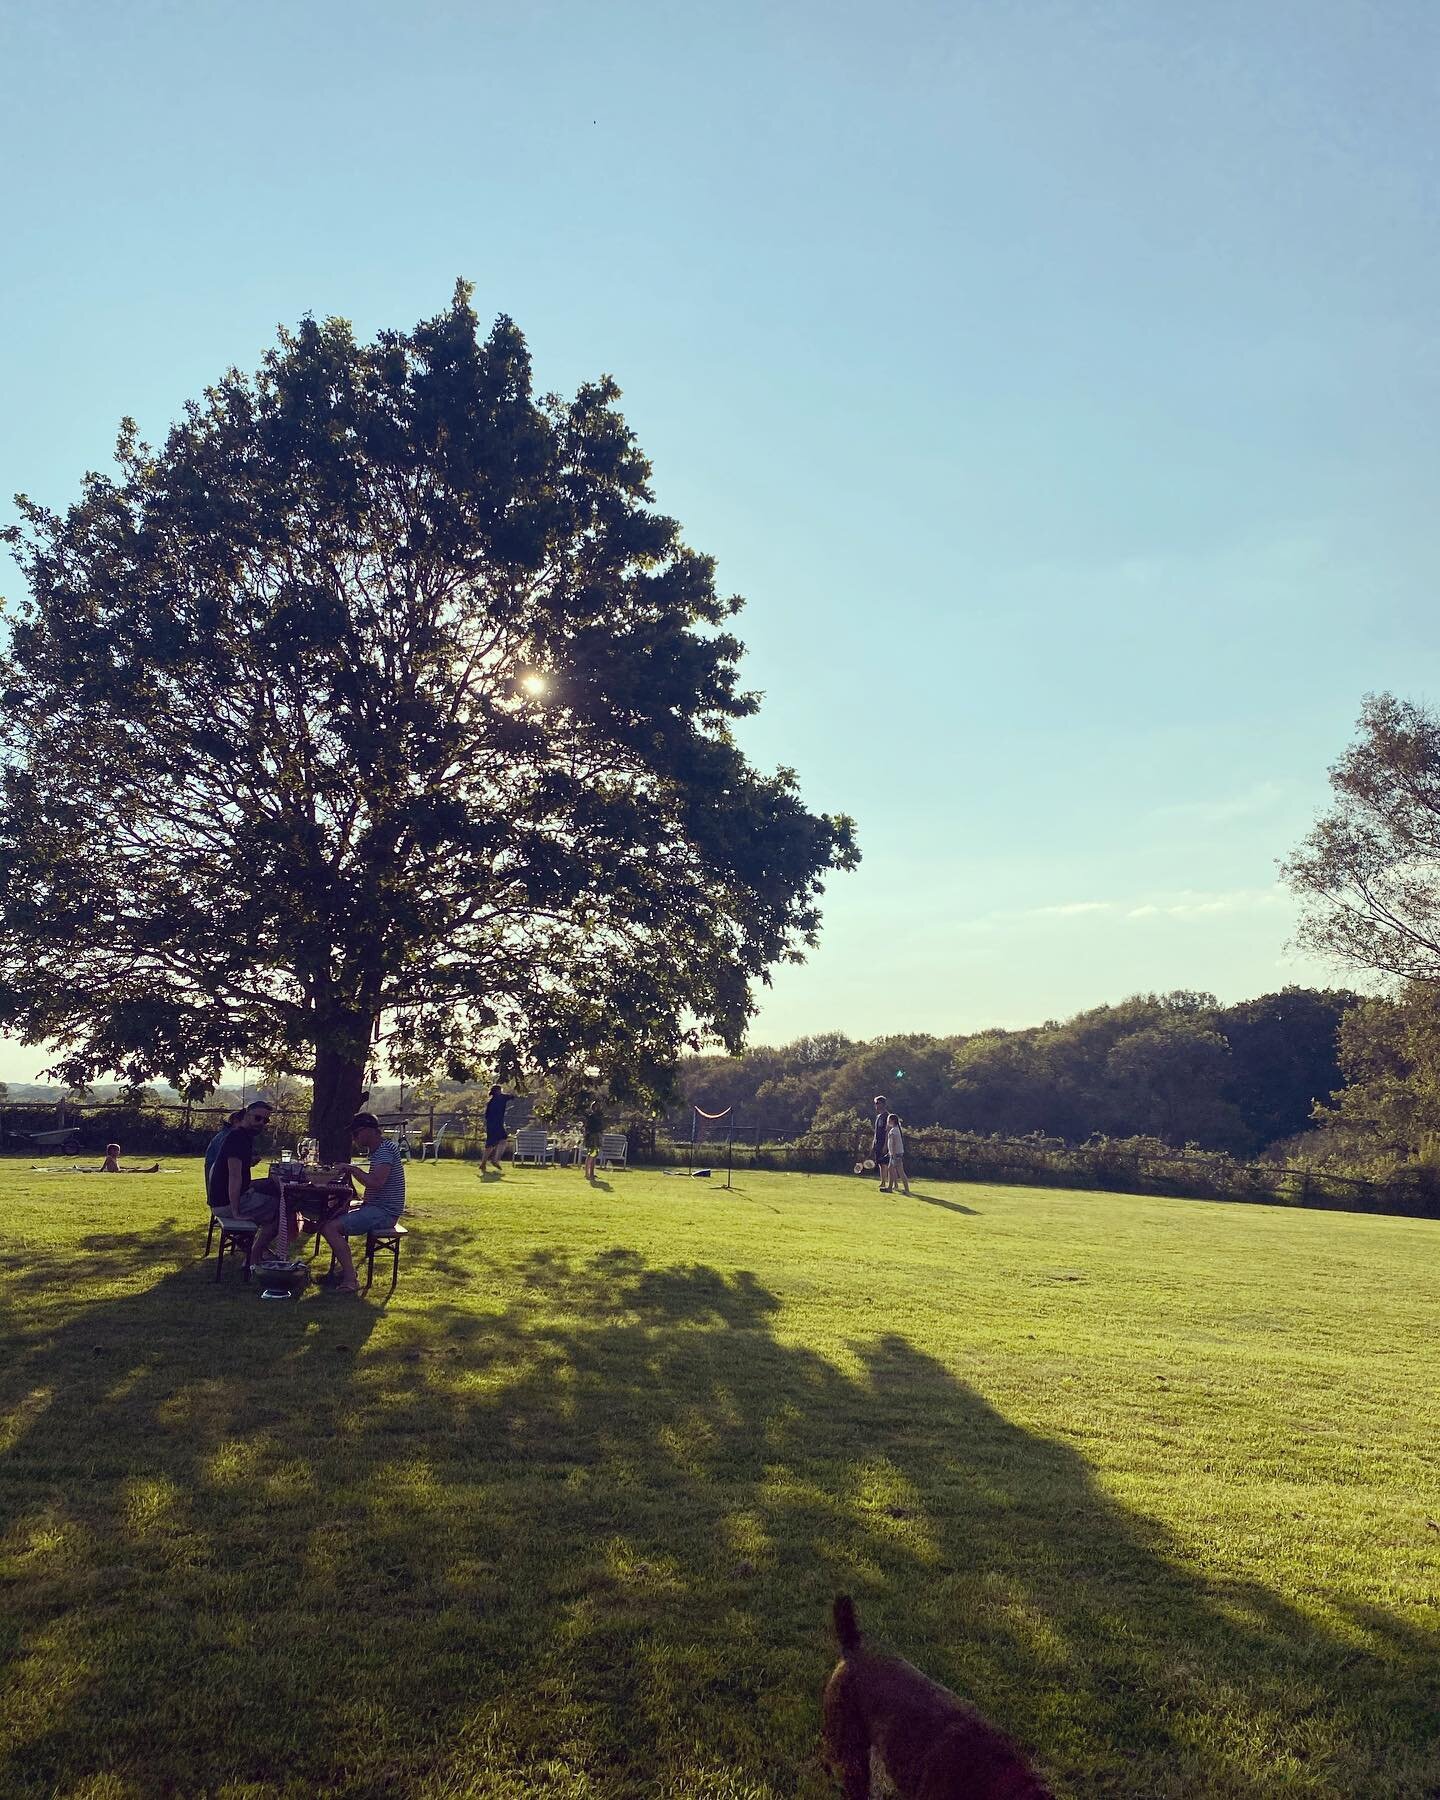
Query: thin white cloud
[(1250, 803), (1183, 904), (1068, 910), (1197, 906)]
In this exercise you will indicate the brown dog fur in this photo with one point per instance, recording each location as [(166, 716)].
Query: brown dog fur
[(933, 1745)]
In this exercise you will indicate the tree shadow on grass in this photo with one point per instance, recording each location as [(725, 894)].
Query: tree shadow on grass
[(575, 1530)]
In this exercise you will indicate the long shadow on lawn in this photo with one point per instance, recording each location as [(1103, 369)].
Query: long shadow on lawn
[(592, 1518), (949, 1205)]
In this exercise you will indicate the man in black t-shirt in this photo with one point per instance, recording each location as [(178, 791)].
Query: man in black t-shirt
[(232, 1190), (881, 1152), (496, 1136)]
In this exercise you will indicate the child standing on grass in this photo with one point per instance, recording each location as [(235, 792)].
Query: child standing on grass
[(895, 1149), (594, 1126)]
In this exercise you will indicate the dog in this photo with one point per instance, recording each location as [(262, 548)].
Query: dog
[(933, 1745)]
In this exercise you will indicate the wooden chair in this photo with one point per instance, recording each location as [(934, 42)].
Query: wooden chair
[(532, 1146), (614, 1150), (375, 1242), (384, 1240), (233, 1233)]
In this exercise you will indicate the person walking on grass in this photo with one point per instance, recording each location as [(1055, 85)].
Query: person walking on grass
[(496, 1136), (895, 1151), (881, 1151)]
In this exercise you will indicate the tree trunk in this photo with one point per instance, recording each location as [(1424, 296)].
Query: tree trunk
[(339, 1084)]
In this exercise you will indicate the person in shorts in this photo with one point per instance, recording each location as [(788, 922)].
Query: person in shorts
[(593, 1126), (231, 1188), (212, 1149), (895, 1150), (496, 1136), (382, 1197)]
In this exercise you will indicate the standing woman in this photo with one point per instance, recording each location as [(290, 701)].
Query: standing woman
[(496, 1136), (895, 1145), (881, 1152)]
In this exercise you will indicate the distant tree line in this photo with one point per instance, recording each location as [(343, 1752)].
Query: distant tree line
[(1176, 1067)]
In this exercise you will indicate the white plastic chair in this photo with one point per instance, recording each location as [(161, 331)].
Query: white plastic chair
[(614, 1149), (532, 1146), (431, 1147)]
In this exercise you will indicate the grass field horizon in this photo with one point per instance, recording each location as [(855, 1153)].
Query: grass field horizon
[(1153, 1481)]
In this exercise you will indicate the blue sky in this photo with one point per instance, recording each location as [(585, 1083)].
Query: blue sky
[(1057, 382)]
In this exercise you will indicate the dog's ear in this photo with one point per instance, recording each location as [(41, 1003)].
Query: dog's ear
[(847, 1628)]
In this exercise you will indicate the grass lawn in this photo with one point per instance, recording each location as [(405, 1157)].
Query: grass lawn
[(1153, 1481)]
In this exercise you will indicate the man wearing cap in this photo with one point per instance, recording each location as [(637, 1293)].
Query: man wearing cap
[(382, 1197), (231, 1189)]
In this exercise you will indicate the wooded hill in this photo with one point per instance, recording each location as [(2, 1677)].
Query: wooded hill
[(1179, 1067)]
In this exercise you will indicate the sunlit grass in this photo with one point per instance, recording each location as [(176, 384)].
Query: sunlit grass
[(1151, 1480)]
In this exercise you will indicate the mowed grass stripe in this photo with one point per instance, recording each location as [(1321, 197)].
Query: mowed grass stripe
[(1150, 1480)]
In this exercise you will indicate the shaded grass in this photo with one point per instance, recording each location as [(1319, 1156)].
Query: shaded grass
[(1149, 1479)]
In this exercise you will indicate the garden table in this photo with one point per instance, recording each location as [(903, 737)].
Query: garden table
[(315, 1194)]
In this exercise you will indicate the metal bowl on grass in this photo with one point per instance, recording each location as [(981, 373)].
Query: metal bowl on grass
[(282, 1280)]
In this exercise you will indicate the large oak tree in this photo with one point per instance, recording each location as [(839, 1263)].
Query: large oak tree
[(378, 715)]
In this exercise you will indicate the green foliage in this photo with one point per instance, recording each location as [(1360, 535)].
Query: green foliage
[(776, 1090), (1284, 1058), (1177, 1066), (380, 700), (1390, 1059), (1368, 875), (912, 1071)]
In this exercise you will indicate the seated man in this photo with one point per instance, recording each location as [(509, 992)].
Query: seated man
[(232, 1190), (382, 1197), (212, 1149)]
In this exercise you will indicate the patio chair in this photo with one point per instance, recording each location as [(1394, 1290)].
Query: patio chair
[(532, 1145), (387, 1241), (431, 1146), (399, 1136), (233, 1233), (614, 1150)]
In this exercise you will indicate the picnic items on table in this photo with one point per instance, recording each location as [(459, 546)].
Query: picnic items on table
[(316, 1192)]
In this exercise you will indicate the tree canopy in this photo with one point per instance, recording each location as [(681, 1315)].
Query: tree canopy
[(1368, 874), (380, 705), (1389, 1106), (1176, 1066)]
